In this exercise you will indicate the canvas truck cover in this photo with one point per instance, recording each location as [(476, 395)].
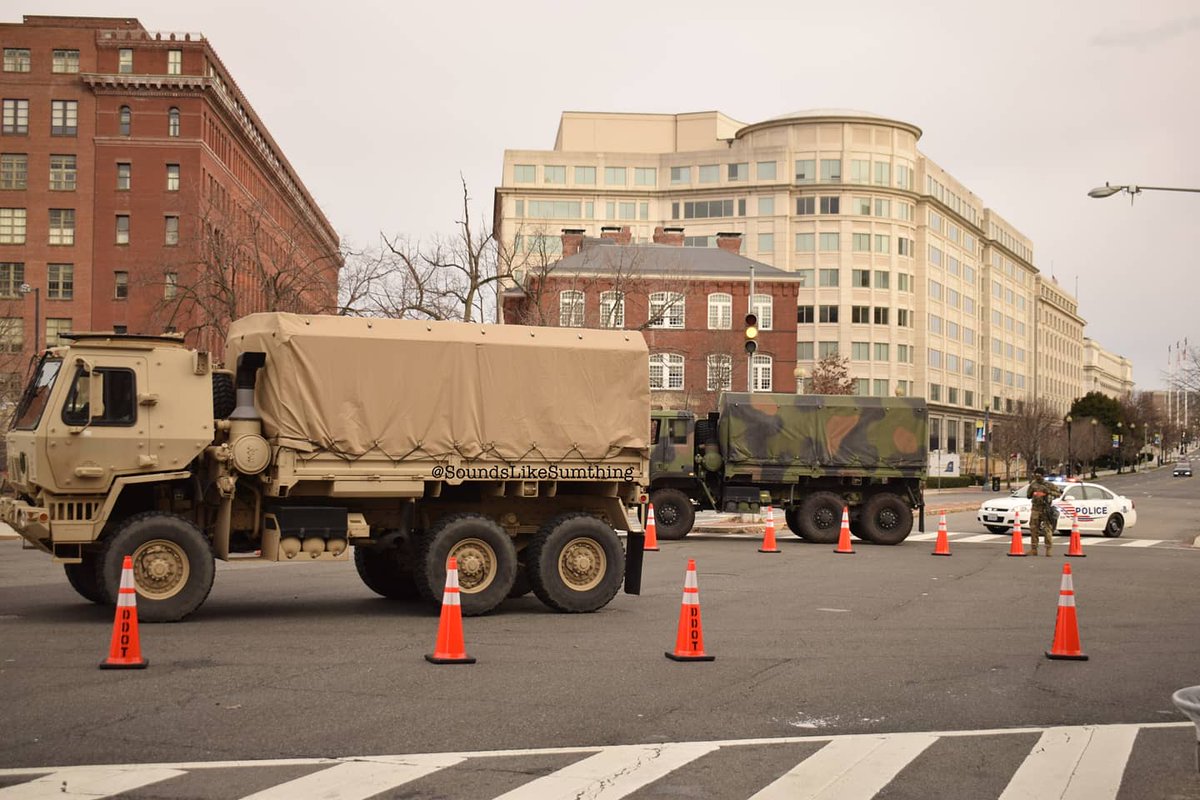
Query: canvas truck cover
[(416, 391), (808, 435)]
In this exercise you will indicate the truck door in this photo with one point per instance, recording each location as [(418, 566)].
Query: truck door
[(671, 454), (100, 431)]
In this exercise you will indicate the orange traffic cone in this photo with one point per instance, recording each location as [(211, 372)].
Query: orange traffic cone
[(943, 544), (1076, 548), (1066, 627), (844, 545), (450, 648), (1017, 548), (125, 650), (689, 640), (769, 534), (651, 543)]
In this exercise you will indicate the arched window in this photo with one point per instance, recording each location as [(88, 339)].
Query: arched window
[(762, 309), (612, 310), (666, 310), (760, 372), (570, 309), (720, 373), (173, 122), (720, 311), (125, 121), (666, 371)]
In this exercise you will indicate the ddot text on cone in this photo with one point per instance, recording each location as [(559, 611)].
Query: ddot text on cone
[(125, 649), (689, 639)]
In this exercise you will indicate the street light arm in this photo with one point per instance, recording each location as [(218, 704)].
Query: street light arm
[(1108, 190)]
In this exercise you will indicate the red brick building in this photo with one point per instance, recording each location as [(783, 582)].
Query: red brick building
[(690, 303), (140, 192)]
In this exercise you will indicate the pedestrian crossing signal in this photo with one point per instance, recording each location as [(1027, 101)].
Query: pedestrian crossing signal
[(751, 333)]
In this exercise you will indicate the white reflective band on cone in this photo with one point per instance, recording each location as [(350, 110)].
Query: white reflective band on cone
[(1066, 600)]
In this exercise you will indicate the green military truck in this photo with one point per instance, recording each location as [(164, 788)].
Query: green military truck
[(517, 450), (811, 455)]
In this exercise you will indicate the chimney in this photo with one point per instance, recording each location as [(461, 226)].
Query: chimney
[(670, 236), (730, 241), (620, 235), (572, 241)]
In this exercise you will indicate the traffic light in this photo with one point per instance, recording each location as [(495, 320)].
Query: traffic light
[(751, 333)]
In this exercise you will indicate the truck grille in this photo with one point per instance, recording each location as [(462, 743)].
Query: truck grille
[(74, 510)]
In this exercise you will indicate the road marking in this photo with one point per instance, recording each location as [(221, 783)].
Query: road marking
[(613, 773), (984, 537), (356, 780), (88, 782), (850, 768), (1139, 543), (1074, 764)]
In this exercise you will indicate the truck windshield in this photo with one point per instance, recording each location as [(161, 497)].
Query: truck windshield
[(37, 394)]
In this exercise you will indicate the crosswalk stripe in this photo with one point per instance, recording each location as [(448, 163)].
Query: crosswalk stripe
[(922, 537), (87, 782), (984, 537), (1074, 764), (849, 768), (610, 774), (355, 780), (1139, 543)]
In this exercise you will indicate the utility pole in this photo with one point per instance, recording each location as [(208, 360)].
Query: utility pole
[(987, 445)]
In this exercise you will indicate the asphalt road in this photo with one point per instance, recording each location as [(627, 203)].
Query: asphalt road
[(302, 661)]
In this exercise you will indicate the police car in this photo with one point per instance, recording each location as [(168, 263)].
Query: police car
[(1095, 507)]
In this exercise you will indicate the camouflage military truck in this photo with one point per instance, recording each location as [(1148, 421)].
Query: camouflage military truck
[(517, 450), (811, 455)]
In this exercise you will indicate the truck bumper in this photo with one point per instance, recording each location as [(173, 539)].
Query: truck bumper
[(30, 522)]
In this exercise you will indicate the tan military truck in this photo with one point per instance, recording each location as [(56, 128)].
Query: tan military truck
[(517, 450)]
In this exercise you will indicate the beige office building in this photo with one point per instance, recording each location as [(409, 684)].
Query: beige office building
[(1106, 372), (904, 269), (1059, 346)]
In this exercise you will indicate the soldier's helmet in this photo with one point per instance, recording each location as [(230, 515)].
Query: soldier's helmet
[(1041, 473)]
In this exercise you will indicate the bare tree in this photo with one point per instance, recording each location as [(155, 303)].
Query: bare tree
[(1035, 427), (831, 375), (472, 265)]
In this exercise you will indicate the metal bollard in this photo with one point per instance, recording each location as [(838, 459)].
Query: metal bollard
[(1188, 701)]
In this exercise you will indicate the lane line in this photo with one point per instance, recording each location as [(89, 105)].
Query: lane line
[(610, 774), (851, 768), (357, 780)]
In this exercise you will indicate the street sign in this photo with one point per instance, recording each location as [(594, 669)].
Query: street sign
[(1116, 440), (979, 431)]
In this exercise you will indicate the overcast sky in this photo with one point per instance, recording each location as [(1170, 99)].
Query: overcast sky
[(381, 105)]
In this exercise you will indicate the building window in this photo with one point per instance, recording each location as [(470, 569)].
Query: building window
[(171, 237), (125, 60), (903, 318), (766, 243), (60, 281), (882, 279), (554, 173), (827, 349), (720, 373), (666, 310), (62, 226), (705, 209), (173, 122), (882, 351), (710, 173), (645, 176), (12, 275), (65, 61), (120, 285), (935, 394), (12, 334), (124, 176), (828, 277), (55, 328), (16, 116), (861, 243), (122, 229), (766, 206), (806, 206), (860, 170), (62, 173), (681, 176), (806, 170), (761, 372), (174, 62), (904, 246), (831, 205), (612, 310), (883, 173), (880, 388), (739, 172), (170, 285), (804, 314), (804, 351), (14, 170), (935, 359), (805, 242), (172, 177), (120, 329), (828, 313), (124, 121), (862, 206), (666, 371), (585, 176), (860, 278), (764, 310), (881, 315), (860, 315), (860, 351), (830, 242), (614, 176), (766, 170), (16, 59), (524, 173), (570, 309), (903, 176), (831, 170), (12, 225), (720, 311)]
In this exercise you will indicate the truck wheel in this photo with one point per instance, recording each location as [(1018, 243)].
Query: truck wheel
[(576, 563), (820, 517), (674, 514), (385, 573), (85, 579), (886, 519), (791, 515), (487, 561), (172, 565), (224, 395)]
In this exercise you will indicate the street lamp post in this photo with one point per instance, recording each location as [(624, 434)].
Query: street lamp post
[(1092, 460), (1108, 190), (1070, 460), (1120, 450), (25, 288), (1132, 438), (798, 374)]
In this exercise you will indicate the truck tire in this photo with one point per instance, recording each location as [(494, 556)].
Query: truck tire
[(820, 517), (674, 514), (575, 563), (791, 515), (224, 395), (886, 519), (487, 561), (173, 565), (383, 571), (85, 579)]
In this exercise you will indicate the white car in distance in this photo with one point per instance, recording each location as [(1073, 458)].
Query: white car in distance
[(1096, 508)]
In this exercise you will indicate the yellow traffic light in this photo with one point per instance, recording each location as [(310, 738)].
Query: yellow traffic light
[(751, 333)]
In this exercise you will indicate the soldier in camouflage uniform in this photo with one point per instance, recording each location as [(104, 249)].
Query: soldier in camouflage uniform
[(1041, 493)]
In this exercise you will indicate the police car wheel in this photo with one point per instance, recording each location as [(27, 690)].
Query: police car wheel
[(1115, 526)]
